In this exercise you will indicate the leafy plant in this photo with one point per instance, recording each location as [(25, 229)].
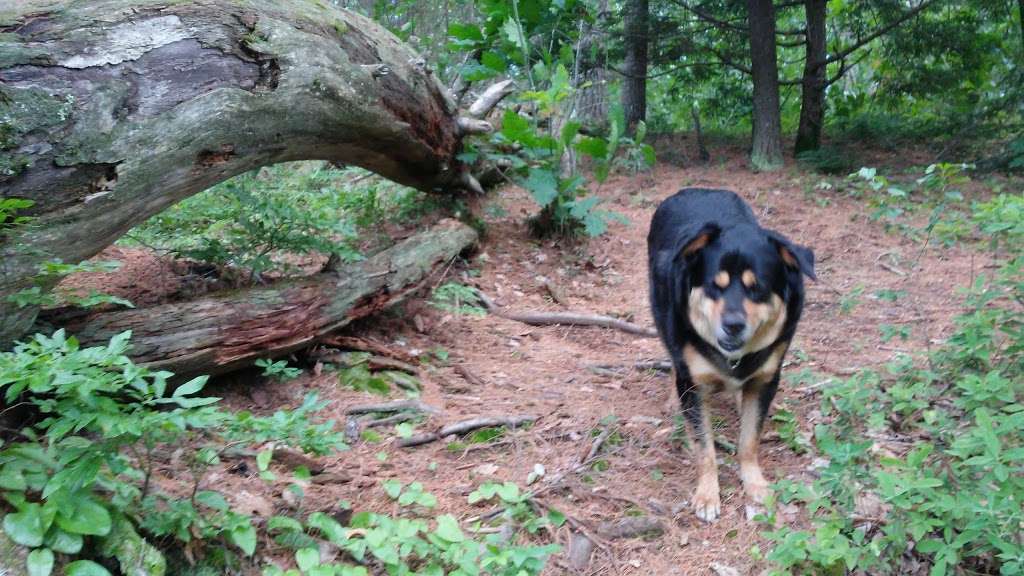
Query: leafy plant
[(949, 496), (79, 478), (278, 369), (403, 543), (9, 219), (457, 298)]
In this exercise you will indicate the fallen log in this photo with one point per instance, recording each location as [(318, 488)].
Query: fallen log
[(112, 111), (224, 332)]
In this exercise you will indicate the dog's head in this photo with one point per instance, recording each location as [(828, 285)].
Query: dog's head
[(740, 282)]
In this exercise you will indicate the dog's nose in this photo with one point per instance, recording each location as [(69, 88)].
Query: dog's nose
[(733, 324)]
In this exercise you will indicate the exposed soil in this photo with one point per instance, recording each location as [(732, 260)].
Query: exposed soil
[(546, 371)]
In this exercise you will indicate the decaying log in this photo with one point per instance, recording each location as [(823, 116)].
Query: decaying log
[(112, 111), (223, 332)]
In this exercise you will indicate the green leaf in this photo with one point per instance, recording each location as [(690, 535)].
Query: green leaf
[(569, 132), (212, 499), (245, 538), (556, 518), (465, 32), (448, 529), (404, 429), (493, 61), (542, 185), (40, 562), (63, 542), (594, 147), (307, 558), (511, 30), (89, 518), (263, 459), (26, 527), (516, 128), (393, 488), (191, 387), (85, 568)]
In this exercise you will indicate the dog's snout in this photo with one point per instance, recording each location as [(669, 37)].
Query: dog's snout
[(733, 323)]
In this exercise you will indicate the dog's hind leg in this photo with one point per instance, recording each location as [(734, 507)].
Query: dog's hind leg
[(757, 399), (707, 503)]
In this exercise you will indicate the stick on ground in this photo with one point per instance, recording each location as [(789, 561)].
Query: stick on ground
[(567, 319), (464, 427), (399, 406)]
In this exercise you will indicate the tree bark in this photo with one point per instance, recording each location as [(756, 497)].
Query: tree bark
[(634, 86), (113, 111), (224, 332), (766, 150), (814, 81)]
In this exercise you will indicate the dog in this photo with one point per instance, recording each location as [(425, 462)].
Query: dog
[(726, 296)]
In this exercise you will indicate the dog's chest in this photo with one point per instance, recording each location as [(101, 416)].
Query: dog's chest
[(704, 373)]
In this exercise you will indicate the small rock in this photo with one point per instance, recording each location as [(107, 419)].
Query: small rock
[(486, 469), (580, 550), (684, 539), (724, 570)]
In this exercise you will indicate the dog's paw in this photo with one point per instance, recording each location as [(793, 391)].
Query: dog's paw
[(707, 504), (757, 490)]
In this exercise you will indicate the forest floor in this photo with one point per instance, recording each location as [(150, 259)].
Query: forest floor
[(549, 371)]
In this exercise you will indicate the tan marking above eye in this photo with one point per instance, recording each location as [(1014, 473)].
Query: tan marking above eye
[(722, 279), (748, 278)]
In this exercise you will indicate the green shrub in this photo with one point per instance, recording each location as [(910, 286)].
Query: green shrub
[(925, 459), (828, 160), (78, 479)]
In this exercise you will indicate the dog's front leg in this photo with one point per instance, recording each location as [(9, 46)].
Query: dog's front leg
[(707, 503), (757, 399)]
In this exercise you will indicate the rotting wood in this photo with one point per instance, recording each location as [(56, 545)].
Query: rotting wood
[(464, 427), (119, 109), (367, 345), (398, 406), (566, 319), (631, 527), (223, 332)]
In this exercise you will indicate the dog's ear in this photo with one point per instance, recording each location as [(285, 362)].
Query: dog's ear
[(695, 240), (794, 255)]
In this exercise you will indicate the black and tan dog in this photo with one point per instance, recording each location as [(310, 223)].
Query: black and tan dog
[(726, 295)]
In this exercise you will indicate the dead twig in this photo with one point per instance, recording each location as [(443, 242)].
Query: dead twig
[(595, 446), (396, 419), (464, 427), (399, 406), (468, 376), (566, 319)]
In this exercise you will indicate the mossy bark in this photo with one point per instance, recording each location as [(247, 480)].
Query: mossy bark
[(111, 111)]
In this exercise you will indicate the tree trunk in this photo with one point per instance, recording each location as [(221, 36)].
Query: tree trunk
[(1020, 21), (766, 151), (814, 82), (116, 110), (226, 331), (634, 86), (592, 98)]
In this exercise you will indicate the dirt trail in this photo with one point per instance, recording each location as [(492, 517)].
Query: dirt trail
[(544, 370)]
